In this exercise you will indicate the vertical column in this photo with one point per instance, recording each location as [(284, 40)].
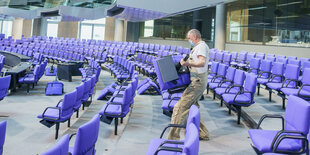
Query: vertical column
[(27, 28), (21, 27), (36, 31), (119, 30), (133, 31), (220, 27), (68, 29), (17, 29), (109, 28)]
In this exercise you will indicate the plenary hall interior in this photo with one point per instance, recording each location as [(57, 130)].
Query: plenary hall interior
[(154, 77)]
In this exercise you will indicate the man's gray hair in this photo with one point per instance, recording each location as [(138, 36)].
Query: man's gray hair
[(194, 32)]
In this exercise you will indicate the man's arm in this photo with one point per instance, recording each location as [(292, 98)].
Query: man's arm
[(200, 63)]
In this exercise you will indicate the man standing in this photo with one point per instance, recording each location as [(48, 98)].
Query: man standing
[(198, 65)]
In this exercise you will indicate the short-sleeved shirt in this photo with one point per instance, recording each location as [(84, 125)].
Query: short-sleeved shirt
[(200, 49)]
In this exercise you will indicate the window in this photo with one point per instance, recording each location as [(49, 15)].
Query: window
[(6, 27), (176, 27), (52, 28), (148, 28), (92, 29), (269, 22)]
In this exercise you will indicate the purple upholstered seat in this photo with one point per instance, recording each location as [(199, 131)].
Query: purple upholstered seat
[(86, 138), (235, 87), (79, 96), (254, 65), (61, 148), (190, 146), (244, 97), (61, 112), (213, 70), (192, 120), (118, 106), (220, 74), (4, 86), (304, 90), (291, 80), (295, 122)]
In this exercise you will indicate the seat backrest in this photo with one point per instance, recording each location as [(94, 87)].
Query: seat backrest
[(222, 70), (234, 55), (292, 57), (297, 115), (260, 56), (2, 135), (277, 69), (239, 77), (61, 148), (79, 93), (305, 79), (265, 67), (294, 62), (68, 103), (255, 63), (193, 116), (214, 67), (305, 65), (86, 137), (230, 73), (227, 59), (272, 59), (191, 143), (291, 72), (250, 84)]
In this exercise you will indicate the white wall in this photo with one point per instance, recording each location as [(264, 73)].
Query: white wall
[(277, 50)]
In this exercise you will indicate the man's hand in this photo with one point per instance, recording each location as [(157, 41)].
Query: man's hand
[(184, 63)]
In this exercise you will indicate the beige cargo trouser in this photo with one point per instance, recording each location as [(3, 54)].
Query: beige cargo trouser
[(190, 96)]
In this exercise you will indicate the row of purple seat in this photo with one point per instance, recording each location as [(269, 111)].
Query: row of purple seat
[(71, 103), (121, 67), (34, 76), (120, 102), (232, 86), (243, 58)]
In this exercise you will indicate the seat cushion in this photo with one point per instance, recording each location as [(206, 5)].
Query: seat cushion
[(166, 95), (262, 80), (215, 85), (169, 104), (262, 140), (243, 98), (289, 91), (274, 86), (111, 109), (221, 91)]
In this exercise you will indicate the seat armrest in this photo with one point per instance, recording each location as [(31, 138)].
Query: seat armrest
[(74, 134), (302, 138), (281, 132), (243, 92), (270, 116), (172, 149), (261, 73), (172, 125), (171, 142), (298, 94)]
